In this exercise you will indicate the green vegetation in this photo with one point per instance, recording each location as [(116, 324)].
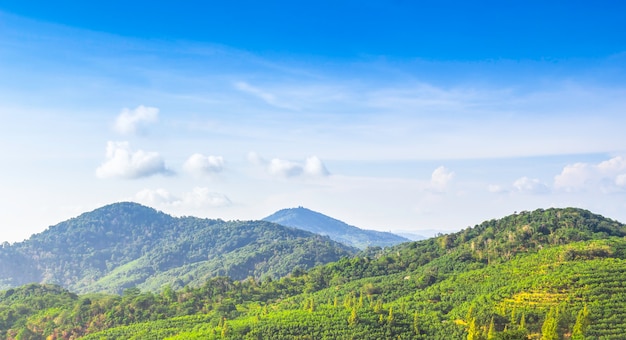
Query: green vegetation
[(546, 274), (126, 245)]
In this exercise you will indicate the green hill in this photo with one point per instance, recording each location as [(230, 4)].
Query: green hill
[(339, 231), (126, 245), (546, 274)]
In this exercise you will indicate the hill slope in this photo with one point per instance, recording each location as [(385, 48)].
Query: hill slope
[(553, 274), (126, 244), (339, 231)]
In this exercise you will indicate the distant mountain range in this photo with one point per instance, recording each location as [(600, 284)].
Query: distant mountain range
[(339, 231), (125, 245)]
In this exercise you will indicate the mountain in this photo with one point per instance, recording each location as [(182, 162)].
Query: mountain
[(339, 231), (545, 274), (126, 244)]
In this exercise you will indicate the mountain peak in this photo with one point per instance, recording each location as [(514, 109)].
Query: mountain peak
[(126, 206), (313, 221)]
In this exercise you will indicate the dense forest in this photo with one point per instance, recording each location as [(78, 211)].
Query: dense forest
[(546, 274), (127, 245)]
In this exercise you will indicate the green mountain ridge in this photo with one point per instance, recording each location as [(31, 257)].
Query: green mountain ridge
[(125, 245), (306, 219), (545, 274)]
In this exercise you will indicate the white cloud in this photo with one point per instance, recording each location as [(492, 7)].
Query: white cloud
[(133, 121), (530, 186), (574, 177), (199, 164), (312, 167), (612, 166), (607, 176), (123, 162), (198, 198), (284, 168), (440, 178)]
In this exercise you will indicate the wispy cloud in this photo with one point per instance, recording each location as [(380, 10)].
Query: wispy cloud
[(267, 97), (197, 198), (123, 162)]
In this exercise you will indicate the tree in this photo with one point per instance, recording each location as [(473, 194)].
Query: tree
[(379, 306), (472, 331), (224, 329), (390, 317), (513, 316), (353, 319), (491, 333), (131, 292), (416, 329), (169, 294), (582, 321), (549, 329)]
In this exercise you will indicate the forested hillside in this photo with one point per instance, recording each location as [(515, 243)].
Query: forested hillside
[(339, 231), (546, 274), (126, 245)]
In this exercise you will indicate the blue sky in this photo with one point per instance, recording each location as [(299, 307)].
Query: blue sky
[(391, 115)]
